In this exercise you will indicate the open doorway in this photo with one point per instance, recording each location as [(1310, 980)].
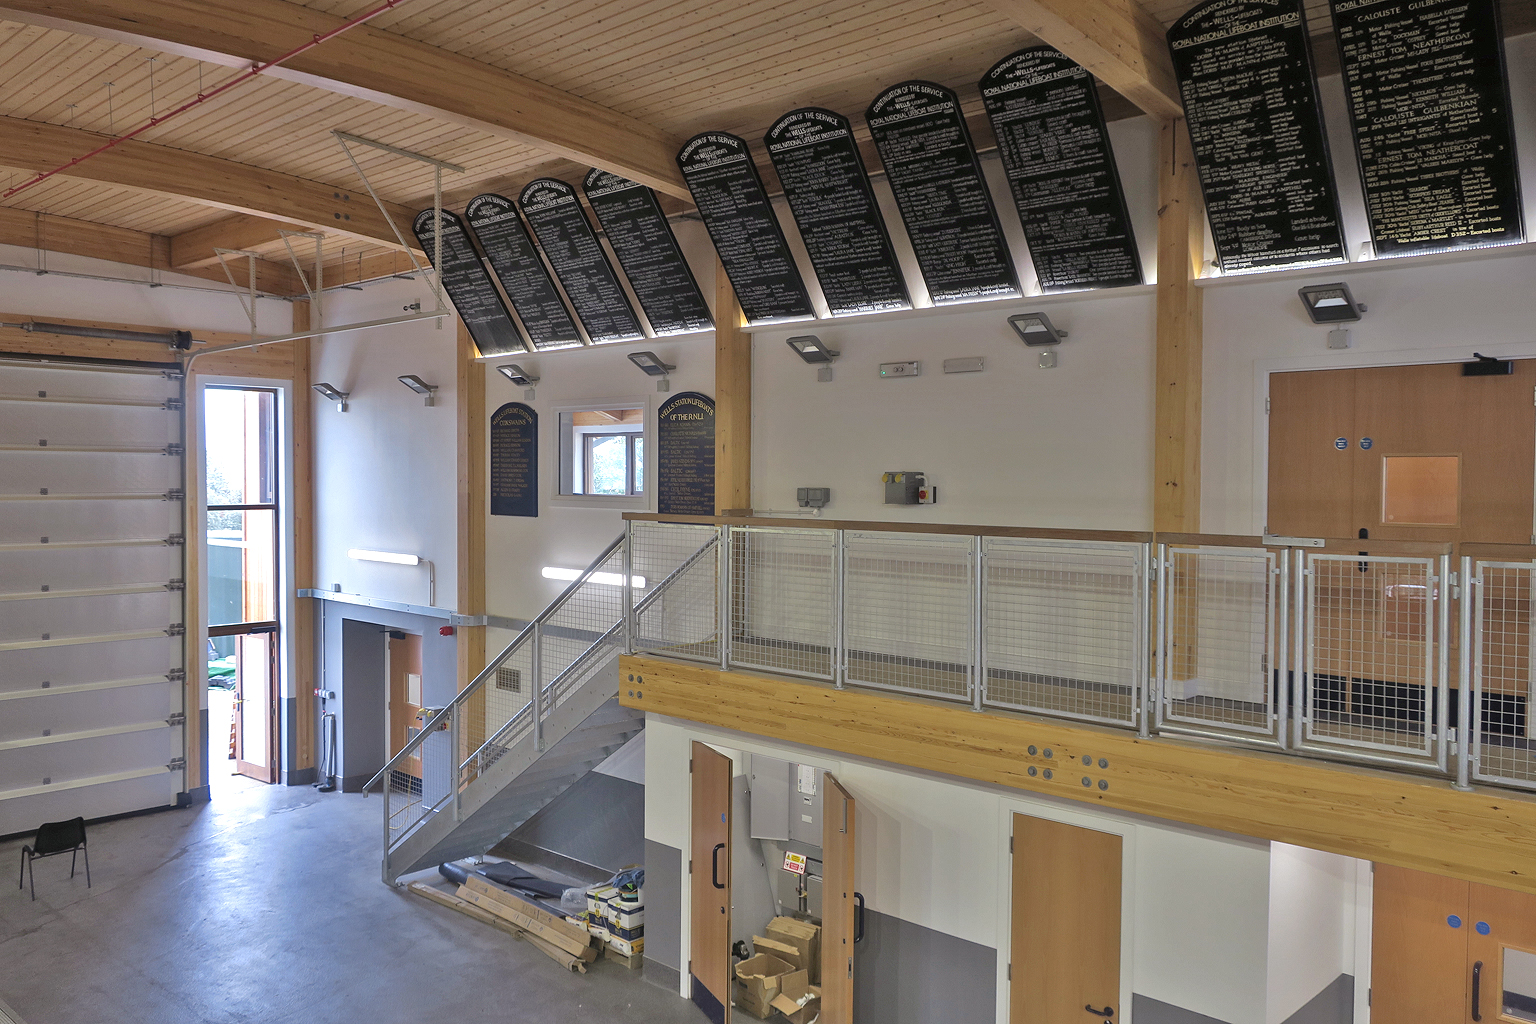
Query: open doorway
[(240, 579)]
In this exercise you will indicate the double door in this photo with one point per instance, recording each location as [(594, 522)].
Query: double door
[(709, 948), (1446, 951)]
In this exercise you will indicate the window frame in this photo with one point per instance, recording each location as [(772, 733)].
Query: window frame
[(567, 466), (632, 487), (271, 474)]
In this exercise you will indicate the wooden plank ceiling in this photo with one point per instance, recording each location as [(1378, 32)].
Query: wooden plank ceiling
[(681, 66)]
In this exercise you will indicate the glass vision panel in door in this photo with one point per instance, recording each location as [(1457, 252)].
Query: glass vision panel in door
[(1519, 984), (1421, 490)]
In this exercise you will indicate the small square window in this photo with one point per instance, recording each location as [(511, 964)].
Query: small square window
[(1421, 490), (602, 452)]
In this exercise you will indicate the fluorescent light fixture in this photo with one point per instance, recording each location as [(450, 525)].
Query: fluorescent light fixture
[(812, 349), (517, 375), (1036, 329), (330, 394), (394, 557), (612, 579), (1330, 303), (418, 385)]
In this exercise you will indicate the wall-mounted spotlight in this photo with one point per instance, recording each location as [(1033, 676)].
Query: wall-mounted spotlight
[(653, 366), (1036, 329), (330, 394), (419, 386), (1330, 303), (814, 351), (517, 375)]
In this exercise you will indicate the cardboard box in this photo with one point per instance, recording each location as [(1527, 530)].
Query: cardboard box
[(598, 897), (628, 947), (786, 951), (612, 928), (805, 937), (744, 1001), (798, 999), (759, 977)]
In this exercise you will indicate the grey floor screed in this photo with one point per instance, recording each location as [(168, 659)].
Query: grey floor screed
[(265, 907)]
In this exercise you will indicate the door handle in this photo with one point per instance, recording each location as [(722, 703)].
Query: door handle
[(1477, 985), (714, 865), (858, 917), (1108, 1011)]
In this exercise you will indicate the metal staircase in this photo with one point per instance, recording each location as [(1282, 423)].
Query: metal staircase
[(544, 712)]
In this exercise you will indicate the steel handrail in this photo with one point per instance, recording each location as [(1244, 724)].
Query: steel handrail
[(616, 629), (475, 684)]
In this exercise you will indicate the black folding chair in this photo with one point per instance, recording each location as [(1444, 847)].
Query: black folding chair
[(56, 837)]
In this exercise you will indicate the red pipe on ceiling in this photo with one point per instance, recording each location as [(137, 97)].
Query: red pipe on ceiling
[(249, 73)]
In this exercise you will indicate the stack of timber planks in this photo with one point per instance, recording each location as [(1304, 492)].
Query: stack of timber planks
[(564, 943)]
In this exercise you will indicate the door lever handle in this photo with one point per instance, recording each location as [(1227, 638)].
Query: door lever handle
[(1108, 1011), (1477, 985)]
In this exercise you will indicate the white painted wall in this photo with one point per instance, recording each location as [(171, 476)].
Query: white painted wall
[(386, 471), (1311, 925), (933, 851)]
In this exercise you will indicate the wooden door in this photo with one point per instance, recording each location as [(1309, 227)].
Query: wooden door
[(1503, 962), (709, 943), (1481, 429), (256, 706), (1418, 948), (837, 910), (1066, 924), (405, 699)]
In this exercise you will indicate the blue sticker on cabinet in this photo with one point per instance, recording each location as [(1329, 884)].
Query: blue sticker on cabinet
[(1341, 443)]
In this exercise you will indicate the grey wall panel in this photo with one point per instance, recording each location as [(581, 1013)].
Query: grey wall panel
[(362, 711), (904, 973), (1152, 1011), (59, 713), (1333, 1005), (664, 905), (600, 821), (25, 814), (26, 572), (88, 663)]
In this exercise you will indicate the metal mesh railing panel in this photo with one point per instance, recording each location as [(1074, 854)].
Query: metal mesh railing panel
[(909, 612), (1501, 687), (583, 618), (683, 621), (1064, 627), (1370, 680), (783, 600), (1221, 636), (421, 786)]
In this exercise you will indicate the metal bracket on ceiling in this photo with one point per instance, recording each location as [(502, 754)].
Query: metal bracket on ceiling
[(438, 167), (316, 292)]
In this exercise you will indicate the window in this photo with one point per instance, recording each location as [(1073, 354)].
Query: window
[(602, 452), (241, 426)]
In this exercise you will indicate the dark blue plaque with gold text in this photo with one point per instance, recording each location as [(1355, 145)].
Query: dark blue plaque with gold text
[(685, 455), (469, 286), (514, 461)]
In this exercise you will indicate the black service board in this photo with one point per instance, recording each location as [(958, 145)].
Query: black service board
[(729, 193), (515, 461), (500, 230), (828, 189), (1429, 103), (1246, 75), (648, 251), (465, 280), (1055, 150), (685, 455), (932, 168), (566, 236)]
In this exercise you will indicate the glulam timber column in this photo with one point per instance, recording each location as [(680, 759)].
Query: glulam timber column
[(304, 609), (1180, 253), (733, 400), (470, 402), (1176, 445)]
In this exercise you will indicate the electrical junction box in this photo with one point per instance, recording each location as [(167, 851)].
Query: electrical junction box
[(813, 497), (908, 488)]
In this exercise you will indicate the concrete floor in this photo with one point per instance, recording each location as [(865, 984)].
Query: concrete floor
[(266, 906)]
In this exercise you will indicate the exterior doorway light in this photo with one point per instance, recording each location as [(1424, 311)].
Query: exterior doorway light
[(1330, 303), (653, 366), (330, 394), (522, 378), (814, 351), (419, 386), (1035, 330)]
